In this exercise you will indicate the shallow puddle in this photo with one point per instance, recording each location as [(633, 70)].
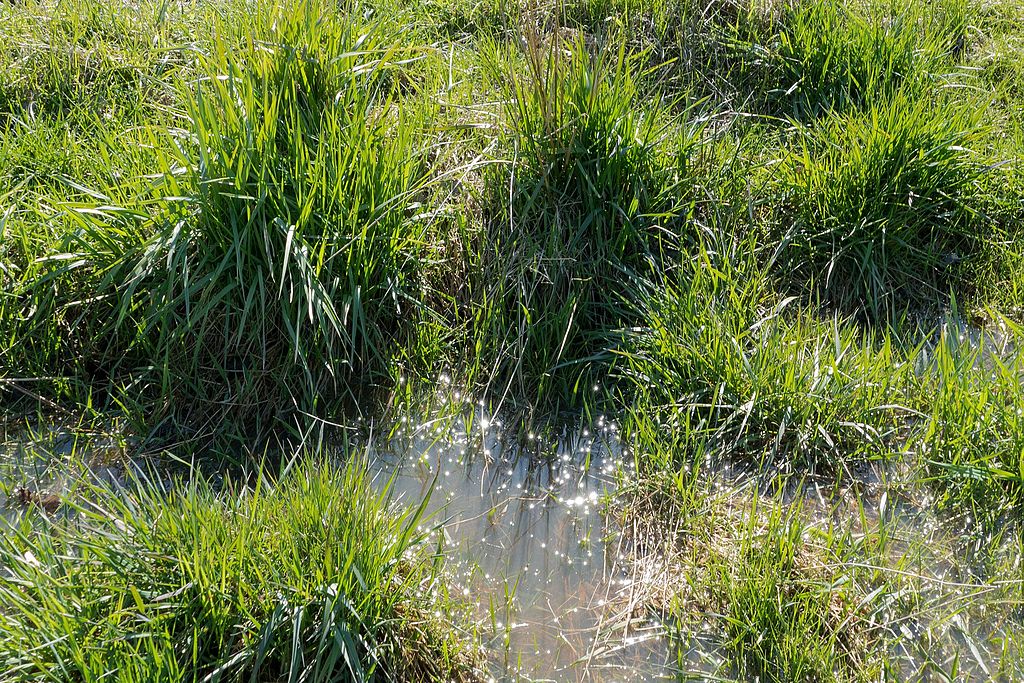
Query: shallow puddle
[(555, 598), (529, 546), (49, 460)]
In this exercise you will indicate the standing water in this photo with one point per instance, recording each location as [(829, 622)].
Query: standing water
[(527, 542)]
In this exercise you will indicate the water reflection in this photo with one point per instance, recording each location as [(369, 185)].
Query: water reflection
[(42, 463), (523, 530)]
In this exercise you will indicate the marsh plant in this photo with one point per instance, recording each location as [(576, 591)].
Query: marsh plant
[(737, 229), (590, 200), (313, 577)]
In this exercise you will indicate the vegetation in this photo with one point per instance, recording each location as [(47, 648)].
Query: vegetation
[(776, 238), (188, 583)]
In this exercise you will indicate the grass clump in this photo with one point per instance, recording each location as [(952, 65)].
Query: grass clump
[(885, 205), (316, 577), (973, 441), (823, 581), (836, 54), (784, 618), (748, 576), (273, 261), (723, 360), (585, 206)]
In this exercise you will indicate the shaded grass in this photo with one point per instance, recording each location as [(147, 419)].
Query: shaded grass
[(595, 195)]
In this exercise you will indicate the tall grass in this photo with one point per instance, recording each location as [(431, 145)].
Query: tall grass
[(316, 577), (589, 201), (272, 263)]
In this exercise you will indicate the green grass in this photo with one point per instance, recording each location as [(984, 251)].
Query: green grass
[(887, 204), (824, 581), (737, 227), (974, 439), (834, 55), (744, 372), (593, 196), (314, 577), (273, 234)]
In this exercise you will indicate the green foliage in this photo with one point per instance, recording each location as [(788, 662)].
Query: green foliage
[(835, 54), (588, 203), (885, 203), (783, 621), (273, 260), (721, 359), (316, 577), (85, 61), (973, 441), (224, 218)]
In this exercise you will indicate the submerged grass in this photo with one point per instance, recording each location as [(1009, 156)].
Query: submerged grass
[(825, 581), (974, 438)]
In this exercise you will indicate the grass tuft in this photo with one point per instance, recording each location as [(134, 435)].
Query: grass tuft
[(886, 204), (315, 577), (744, 373), (267, 267), (588, 202)]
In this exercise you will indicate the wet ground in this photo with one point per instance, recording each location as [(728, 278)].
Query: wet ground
[(524, 534), (520, 521)]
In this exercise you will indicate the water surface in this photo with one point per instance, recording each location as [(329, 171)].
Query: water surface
[(523, 530)]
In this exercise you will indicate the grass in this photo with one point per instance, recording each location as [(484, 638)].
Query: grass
[(185, 581), (972, 442), (888, 204), (586, 204), (835, 55), (824, 580), (743, 229), (747, 373), (273, 235)]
